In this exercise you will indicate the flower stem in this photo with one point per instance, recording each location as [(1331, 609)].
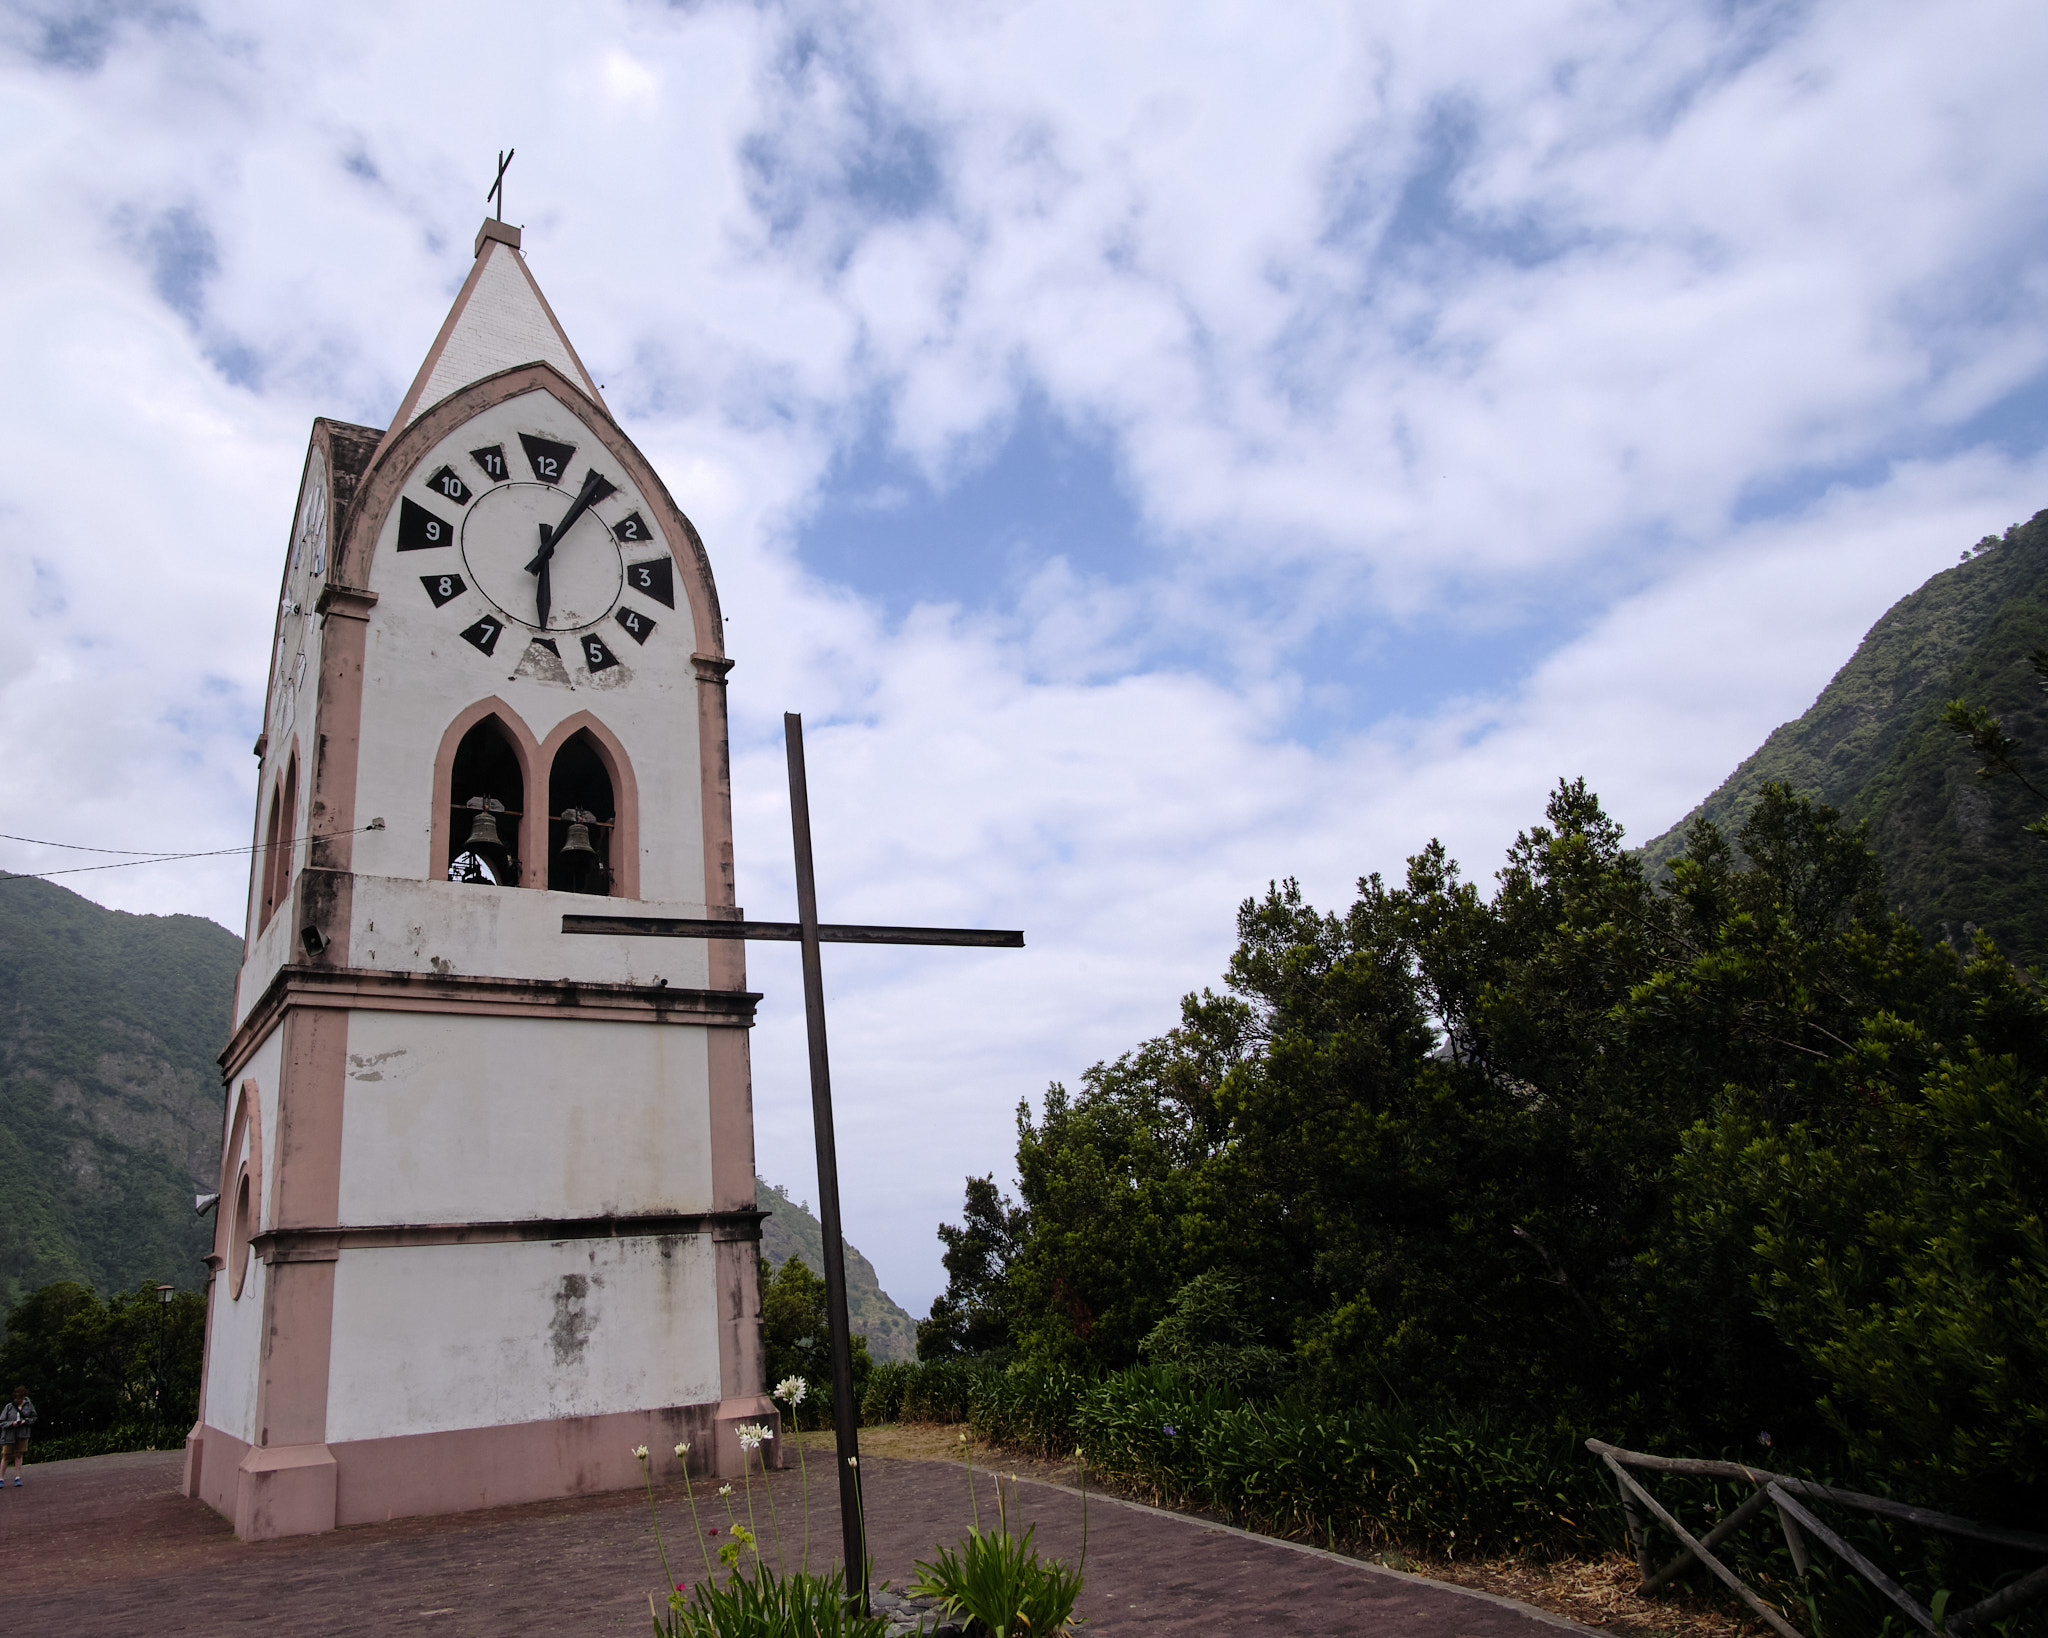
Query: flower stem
[(747, 1477), (653, 1512), (774, 1519), (973, 1500), (804, 1475), (696, 1523), (1084, 1514)]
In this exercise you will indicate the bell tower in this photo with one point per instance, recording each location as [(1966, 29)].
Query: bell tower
[(487, 1216)]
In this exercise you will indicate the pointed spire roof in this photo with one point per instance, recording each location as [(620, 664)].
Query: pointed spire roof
[(499, 320)]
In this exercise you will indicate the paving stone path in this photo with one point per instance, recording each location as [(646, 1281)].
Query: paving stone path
[(107, 1545)]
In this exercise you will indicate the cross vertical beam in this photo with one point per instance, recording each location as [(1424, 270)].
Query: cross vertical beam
[(496, 195), (810, 933), (845, 1414)]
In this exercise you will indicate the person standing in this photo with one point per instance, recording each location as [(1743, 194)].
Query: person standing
[(17, 1421)]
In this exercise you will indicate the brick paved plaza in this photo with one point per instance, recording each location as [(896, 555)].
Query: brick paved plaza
[(107, 1545)]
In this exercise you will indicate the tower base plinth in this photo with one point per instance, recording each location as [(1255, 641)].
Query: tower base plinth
[(284, 1490)]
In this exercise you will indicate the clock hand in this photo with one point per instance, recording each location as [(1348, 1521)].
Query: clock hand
[(539, 566), (595, 488)]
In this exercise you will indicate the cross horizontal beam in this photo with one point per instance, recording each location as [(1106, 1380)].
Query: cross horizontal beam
[(790, 932)]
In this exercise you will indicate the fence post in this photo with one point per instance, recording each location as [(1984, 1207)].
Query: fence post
[(1795, 1541), (1632, 1517)]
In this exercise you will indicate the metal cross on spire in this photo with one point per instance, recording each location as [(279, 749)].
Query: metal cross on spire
[(808, 931), (497, 191)]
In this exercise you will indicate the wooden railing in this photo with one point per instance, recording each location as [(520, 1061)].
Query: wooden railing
[(1788, 1496)]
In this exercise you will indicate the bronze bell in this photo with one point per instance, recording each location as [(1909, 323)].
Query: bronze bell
[(483, 829), (578, 841)]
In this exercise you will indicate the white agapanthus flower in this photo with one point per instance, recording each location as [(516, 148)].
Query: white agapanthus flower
[(683, 1447), (792, 1389), (751, 1434), (640, 1453), (725, 1490)]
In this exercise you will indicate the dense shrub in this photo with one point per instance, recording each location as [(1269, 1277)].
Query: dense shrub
[(882, 1401), (1031, 1408), (107, 1442), (1429, 1481), (942, 1390), (1439, 1482)]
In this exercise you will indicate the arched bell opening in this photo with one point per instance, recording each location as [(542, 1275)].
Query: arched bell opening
[(487, 800), (582, 818)]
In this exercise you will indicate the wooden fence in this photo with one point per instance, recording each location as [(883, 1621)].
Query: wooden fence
[(1788, 1496)]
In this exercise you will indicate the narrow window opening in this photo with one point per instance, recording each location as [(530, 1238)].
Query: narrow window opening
[(487, 795), (266, 867), (582, 817), (287, 844)]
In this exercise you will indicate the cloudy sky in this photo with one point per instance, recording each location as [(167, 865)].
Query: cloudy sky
[(1158, 447)]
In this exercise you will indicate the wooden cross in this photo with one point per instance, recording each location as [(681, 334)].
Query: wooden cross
[(497, 193), (807, 931)]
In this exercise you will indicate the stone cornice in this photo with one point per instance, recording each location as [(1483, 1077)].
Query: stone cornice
[(326, 1243), (376, 990), (347, 602)]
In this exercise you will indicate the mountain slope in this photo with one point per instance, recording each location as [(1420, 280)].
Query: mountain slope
[(110, 1100), (793, 1232), (1873, 746)]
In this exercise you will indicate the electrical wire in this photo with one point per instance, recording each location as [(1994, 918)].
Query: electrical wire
[(160, 858), (80, 847)]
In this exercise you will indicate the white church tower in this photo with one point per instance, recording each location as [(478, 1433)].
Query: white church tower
[(487, 1215)]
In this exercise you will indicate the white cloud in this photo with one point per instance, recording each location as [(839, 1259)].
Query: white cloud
[(1396, 319)]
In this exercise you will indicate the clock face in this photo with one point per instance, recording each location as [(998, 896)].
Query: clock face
[(302, 582), (515, 532), (506, 528)]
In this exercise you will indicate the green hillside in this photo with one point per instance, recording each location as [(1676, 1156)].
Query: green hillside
[(1873, 745), (110, 1105), (793, 1232), (110, 1101)]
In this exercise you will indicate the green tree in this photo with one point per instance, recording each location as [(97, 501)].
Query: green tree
[(1681, 1159), (92, 1365), (1211, 1336), (796, 1338), (972, 1315), (1437, 1130), (1898, 1246), (1118, 1185)]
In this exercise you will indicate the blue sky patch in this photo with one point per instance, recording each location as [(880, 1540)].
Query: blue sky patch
[(1046, 489)]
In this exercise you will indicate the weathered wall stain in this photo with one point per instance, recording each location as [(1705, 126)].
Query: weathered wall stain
[(362, 1067), (569, 1331)]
